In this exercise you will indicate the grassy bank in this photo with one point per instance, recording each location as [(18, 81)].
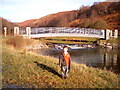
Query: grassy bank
[(68, 40), (18, 42), (25, 69), (115, 43)]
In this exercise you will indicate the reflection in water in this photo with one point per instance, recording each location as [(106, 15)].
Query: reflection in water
[(92, 57), (110, 61), (118, 62)]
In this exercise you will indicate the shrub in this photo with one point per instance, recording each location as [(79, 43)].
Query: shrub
[(19, 42)]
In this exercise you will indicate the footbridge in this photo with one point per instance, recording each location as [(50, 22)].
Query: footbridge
[(64, 31)]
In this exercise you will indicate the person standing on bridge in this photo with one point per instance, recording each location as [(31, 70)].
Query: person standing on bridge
[(64, 62)]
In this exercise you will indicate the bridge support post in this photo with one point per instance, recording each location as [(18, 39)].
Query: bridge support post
[(5, 31), (116, 34), (28, 30), (103, 34), (108, 34), (111, 33), (16, 31)]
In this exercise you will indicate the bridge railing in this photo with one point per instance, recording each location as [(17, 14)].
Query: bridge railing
[(65, 31)]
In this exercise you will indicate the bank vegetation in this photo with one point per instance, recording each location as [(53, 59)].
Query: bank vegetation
[(22, 69)]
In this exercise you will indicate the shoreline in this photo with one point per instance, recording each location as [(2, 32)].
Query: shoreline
[(112, 69), (37, 46), (28, 69)]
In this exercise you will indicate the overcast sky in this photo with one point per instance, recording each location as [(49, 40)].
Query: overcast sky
[(21, 10)]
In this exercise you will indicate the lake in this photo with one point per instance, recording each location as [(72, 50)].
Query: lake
[(96, 57)]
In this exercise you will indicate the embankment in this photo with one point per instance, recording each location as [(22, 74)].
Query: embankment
[(111, 43), (25, 69)]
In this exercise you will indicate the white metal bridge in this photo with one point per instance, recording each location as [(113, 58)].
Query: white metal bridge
[(63, 31)]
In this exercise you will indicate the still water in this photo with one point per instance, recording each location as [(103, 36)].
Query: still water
[(107, 59)]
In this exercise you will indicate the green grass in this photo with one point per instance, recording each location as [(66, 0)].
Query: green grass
[(26, 69), (69, 40)]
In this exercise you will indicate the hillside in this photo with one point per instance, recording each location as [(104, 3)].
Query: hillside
[(53, 20), (100, 16), (10, 26)]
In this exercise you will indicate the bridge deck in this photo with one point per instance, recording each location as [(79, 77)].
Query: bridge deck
[(61, 35), (63, 31)]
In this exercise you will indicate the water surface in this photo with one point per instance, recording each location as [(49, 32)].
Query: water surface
[(93, 57)]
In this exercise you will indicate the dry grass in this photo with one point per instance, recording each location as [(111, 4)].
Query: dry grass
[(22, 69), (19, 42)]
